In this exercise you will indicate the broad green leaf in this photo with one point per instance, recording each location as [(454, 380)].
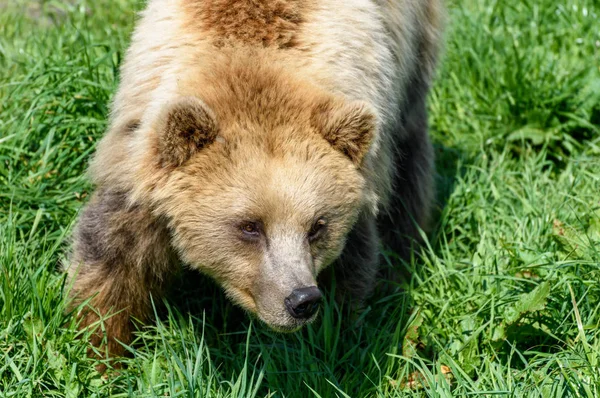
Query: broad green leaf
[(528, 302)]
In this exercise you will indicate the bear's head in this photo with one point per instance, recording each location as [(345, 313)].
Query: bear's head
[(260, 194)]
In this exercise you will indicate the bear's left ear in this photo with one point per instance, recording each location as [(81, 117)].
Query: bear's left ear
[(349, 127), (184, 127)]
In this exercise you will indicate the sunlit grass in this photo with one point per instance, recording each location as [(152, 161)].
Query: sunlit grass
[(504, 298)]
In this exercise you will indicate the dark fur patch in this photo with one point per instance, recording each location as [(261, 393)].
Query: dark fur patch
[(92, 234), (132, 126), (260, 22), (410, 205), (355, 271), (114, 234)]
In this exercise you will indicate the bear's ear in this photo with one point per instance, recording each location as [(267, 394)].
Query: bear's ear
[(349, 127), (184, 127)]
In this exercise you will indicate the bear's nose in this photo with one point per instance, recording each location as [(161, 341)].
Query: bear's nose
[(303, 303)]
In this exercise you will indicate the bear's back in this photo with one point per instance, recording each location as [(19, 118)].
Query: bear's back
[(362, 49)]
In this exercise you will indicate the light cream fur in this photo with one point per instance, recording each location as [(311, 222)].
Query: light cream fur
[(362, 49)]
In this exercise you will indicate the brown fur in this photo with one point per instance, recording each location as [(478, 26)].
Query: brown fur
[(280, 113), (122, 256), (258, 22)]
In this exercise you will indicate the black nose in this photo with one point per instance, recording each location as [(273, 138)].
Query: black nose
[(303, 303)]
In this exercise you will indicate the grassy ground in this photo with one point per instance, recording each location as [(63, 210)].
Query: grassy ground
[(504, 299)]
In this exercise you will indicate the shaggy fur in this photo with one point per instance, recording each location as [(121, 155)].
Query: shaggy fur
[(263, 23), (282, 114)]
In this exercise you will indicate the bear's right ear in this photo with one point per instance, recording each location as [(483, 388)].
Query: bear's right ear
[(184, 127)]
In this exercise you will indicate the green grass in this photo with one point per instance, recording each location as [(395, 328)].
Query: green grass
[(504, 300)]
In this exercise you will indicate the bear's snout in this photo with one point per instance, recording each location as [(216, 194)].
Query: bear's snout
[(303, 302)]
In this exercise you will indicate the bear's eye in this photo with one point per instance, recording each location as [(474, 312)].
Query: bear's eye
[(250, 229), (317, 229)]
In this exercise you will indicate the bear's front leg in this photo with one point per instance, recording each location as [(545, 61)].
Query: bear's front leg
[(356, 269), (409, 207), (121, 257)]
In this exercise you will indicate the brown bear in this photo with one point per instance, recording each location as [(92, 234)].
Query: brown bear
[(259, 142)]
